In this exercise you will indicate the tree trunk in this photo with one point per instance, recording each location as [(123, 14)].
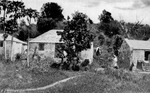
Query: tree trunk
[(11, 51), (5, 54), (28, 57), (28, 63)]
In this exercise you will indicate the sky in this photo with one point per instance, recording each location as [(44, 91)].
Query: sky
[(127, 10)]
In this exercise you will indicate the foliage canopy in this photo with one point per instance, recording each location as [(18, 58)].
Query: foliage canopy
[(76, 36)]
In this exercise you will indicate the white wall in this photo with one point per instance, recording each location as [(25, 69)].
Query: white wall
[(88, 54), (16, 48), (137, 55), (49, 49)]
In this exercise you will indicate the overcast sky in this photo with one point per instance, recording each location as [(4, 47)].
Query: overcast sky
[(127, 10)]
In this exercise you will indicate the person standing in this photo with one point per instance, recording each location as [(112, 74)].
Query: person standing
[(114, 62)]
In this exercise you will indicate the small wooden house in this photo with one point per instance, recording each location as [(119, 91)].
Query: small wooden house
[(18, 45), (133, 52), (46, 45)]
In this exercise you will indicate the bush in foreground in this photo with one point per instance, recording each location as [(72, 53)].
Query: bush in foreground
[(41, 66)]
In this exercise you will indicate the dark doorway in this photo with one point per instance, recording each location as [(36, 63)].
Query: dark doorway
[(147, 55)]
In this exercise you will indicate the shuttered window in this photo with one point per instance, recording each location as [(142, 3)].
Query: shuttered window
[(41, 46)]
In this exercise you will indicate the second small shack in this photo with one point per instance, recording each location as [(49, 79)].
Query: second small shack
[(18, 46), (46, 45), (133, 51)]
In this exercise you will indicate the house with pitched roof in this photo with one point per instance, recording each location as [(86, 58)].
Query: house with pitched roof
[(133, 52), (47, 45), (18, 45)]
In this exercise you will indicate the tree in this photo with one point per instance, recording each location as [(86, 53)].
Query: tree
[(52, 10), (105, 17), (15, 11), (110, 29), (137, 31), (30, 13), (51, 15), (34, 32), (4, 7), (76, 36), (24, 29), (45, 24), (117, 44), (11, 26), (108, 25)]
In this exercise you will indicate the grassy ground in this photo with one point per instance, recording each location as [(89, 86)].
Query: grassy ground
[(107, 81), (104, 82), (15, 76), (38, 80)]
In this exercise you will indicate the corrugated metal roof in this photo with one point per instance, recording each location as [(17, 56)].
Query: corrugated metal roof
[(10, 37), (48, 37), (138, 44)]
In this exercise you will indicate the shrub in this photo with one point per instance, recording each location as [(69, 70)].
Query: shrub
[(55, 65), (18, 56), (41, 66)]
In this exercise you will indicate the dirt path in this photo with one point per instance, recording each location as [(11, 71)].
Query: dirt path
[(40, 88)]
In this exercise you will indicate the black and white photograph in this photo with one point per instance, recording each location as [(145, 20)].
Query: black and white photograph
[(74, 46)]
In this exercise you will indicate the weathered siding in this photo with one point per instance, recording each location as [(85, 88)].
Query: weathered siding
[(16, 48), (49, 49), (124, 58), (88, 54), (8, 48), (137, 55)]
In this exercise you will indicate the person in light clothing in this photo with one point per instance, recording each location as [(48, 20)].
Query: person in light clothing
[(64, 53), (114, 62), (98, 52)]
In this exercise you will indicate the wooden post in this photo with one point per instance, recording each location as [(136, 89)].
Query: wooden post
[(5, 54), (28, 64), (28, 56), (11, 52)]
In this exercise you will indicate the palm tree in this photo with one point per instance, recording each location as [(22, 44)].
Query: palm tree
[(16, 11), (4, 7), (30, 13)]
